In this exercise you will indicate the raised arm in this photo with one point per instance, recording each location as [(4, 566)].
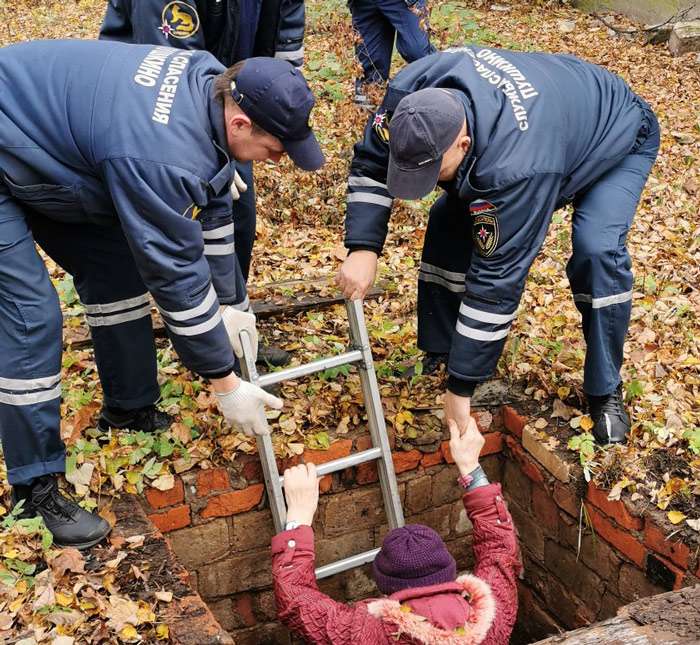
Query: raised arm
[(495, 544), (301, 606)]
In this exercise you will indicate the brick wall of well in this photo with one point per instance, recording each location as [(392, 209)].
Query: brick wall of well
[(220, 527)]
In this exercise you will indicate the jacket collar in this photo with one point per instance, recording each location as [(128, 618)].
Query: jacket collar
[(414, 627), (218, 125)]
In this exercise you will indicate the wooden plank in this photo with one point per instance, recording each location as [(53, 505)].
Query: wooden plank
[(78, 337)]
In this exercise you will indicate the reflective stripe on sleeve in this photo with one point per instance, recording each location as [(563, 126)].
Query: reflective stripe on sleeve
[(370, 198), (218, 233), (188, 314), (366, 182), (195, 330), (219, 249)]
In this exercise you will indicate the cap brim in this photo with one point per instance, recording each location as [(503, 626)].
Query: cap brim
[(305, 153), (414, 183)]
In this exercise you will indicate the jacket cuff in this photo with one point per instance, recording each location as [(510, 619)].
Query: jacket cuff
[(364, 247), (300, 537), (461, 387), (487, 503)]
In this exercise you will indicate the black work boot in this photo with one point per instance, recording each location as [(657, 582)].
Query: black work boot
[(69, 524), (431, 364), (272, 355), (611, 423), (147, 419), (360, 98)]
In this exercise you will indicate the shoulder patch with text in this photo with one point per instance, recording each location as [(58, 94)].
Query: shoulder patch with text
[(380, 124), (179, 20), (484, 226)]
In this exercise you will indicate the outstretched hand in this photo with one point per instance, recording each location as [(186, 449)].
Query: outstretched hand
[(465, 446), (301, 492), (356, 275)]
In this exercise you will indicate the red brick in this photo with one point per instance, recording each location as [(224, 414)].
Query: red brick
[(174, 518), (337, 450), (237, 501), (621, 539), (493, 444), (252, 470), (367, 473), (513, 422), (445, 449), (526, 464), (545, 509), (674, 550), (325, 484), (210, 480), (565, 497), (675, 571), (404, 461), (162, 498), (617, 510), (431, 459), (243, 609)]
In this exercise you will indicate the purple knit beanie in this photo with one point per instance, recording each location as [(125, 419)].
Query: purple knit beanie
[(412, 556)]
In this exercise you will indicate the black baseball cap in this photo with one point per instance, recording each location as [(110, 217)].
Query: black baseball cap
[(276, 97), (425, 124)]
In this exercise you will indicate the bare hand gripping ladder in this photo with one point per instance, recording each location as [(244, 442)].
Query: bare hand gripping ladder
[(361, 355)]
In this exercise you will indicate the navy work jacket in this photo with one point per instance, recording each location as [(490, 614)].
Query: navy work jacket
[(543, 128), (106, 132)]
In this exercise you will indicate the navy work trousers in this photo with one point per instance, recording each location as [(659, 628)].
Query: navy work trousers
[(599, 270), (379, 23), (118, 313)]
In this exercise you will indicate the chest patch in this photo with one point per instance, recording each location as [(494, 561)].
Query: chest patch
[(484, 227), (180, 20), (380, 124)]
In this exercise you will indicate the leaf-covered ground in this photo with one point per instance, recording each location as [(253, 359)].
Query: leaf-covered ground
[(299, 237)]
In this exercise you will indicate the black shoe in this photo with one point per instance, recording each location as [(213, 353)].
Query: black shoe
[(611, 423), (431, 363), (69, 524), (148, 419), (273, 355), (361, 99)]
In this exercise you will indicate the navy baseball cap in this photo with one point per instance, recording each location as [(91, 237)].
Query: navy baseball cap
[(425, 124), (276, 97)]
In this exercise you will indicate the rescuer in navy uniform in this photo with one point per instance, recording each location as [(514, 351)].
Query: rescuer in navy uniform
[(380, 23), (232, 30), (509, 138), (115, 159)]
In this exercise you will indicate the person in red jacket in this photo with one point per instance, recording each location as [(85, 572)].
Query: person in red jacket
[(424, 601)]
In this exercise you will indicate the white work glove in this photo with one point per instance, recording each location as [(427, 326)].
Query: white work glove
[(244, 407), (236, 321), (238, 186)]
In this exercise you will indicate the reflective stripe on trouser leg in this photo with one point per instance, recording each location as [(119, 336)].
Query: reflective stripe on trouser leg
[(30, 344), (117, 307), (600, 268), (444, 262)]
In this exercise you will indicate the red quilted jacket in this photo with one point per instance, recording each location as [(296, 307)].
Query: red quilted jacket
[(479, 608)]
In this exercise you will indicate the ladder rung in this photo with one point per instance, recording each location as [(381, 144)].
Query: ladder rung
[(310, 368), (346, 563), (346, 462)]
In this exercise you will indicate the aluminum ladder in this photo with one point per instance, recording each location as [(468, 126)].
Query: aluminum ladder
[(360, 354)]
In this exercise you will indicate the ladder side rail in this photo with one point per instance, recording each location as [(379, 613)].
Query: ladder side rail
[(375, 414), (266, 450)]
